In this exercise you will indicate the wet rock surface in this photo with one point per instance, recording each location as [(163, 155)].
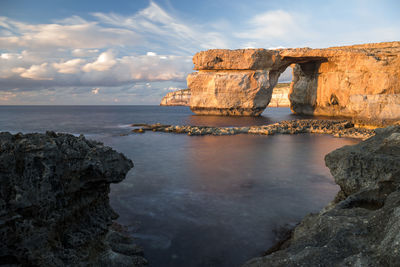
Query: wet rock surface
[(361, 226), (338, 128), (54, 204)]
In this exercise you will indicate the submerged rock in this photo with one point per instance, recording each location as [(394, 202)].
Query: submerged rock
[(54, 204), (362, 226), (338, 128)]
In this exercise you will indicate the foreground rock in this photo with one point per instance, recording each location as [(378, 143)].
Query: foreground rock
[(54, 205), (177, 98), (339, 128), (362, 226), (361, 81)]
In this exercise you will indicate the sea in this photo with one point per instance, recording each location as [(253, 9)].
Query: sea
[(199, 200)]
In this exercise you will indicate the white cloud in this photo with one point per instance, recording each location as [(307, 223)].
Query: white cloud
[(104, 62), (79, 52), (155, 23), (70, 66), (270, 25), (37, 72), (80, 35)]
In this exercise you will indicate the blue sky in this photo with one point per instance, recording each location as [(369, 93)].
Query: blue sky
[(134, 52)]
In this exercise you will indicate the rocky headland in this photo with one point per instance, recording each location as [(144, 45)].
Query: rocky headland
[(361, 227), (54, 204), (176, 98), (280, 97), (338, 128), (359, 81)]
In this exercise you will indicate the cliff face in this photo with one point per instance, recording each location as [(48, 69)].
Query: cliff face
[(360, 81), (279, 98), (361, 227), (177, 98), (54, 204)]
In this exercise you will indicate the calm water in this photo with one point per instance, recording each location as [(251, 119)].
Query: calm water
[(199, 201)]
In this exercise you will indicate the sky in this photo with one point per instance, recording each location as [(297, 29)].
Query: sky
[(67, 52)]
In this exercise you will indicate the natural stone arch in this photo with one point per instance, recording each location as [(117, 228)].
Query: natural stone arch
[(359, 81)]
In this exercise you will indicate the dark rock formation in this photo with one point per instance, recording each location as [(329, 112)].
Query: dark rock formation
[(362, 226), (54, 205)]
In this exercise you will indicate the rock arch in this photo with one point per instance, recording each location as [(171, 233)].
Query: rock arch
[(356, 81)]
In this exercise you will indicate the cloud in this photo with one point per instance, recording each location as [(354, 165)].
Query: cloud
[(6, 96), (167, 31), (36, 72), (271, 26), (70, 66), (104, 62), (80, 35), (20, 70), (79, 52), (121, 54)]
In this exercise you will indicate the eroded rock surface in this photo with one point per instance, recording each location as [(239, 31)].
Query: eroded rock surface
[(362, 226), (360, 81), (54, 205), (176, 98), (338, 128), (280, 97)]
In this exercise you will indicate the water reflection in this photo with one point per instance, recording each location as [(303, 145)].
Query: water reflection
[(215, 200)]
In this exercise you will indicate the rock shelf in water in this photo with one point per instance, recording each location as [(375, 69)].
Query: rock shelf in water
[(338, 128)]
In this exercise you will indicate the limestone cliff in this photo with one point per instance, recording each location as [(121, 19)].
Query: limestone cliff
[(361, 81), (54, 205), (280, 96), (176, 98), (361, 227)]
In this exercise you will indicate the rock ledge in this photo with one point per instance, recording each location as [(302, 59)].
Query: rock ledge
[(54, 205)]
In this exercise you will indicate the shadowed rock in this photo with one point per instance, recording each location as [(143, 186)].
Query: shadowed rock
[(54, 205), (361, 227)]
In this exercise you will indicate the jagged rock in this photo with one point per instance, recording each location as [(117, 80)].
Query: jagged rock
[(54, 205), (361, 227), (356, 81), (176, 98)]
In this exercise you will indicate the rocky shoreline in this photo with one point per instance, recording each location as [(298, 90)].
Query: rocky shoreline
[(54, 203), (361, 226), (338, 128)]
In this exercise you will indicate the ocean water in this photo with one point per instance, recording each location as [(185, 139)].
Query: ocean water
[(199, 200)]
